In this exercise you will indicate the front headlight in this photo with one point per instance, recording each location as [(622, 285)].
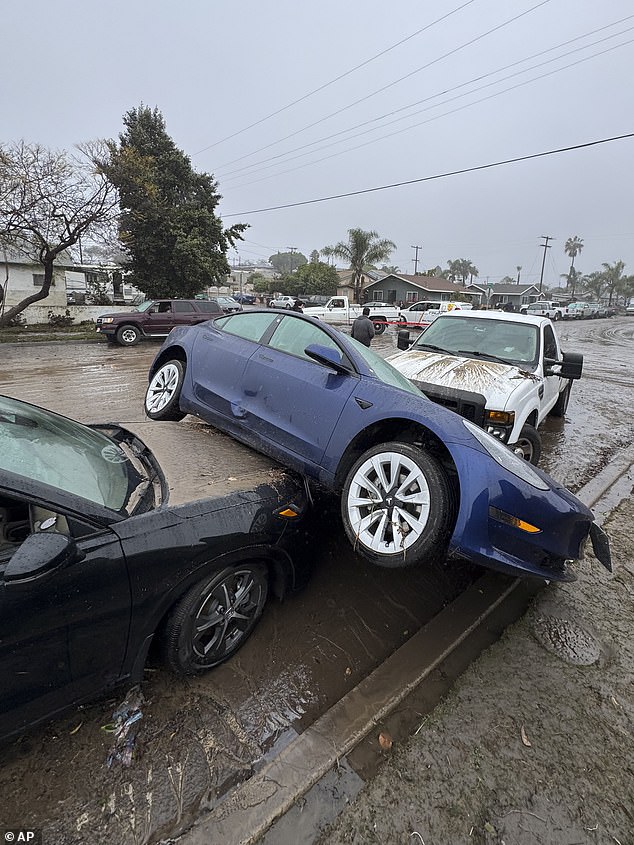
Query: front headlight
[(107, 319), (502, 455)]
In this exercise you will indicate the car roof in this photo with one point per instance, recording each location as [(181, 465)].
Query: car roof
[(505, 316)]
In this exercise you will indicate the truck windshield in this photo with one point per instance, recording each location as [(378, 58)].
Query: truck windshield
[(504, 340)]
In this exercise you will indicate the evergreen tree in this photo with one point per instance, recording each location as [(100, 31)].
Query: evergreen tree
[(168, 225)]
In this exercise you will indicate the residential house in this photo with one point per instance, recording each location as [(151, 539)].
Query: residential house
[(20, 277), (410, 289), (503, 295)]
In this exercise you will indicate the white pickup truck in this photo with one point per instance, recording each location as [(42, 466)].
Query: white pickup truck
[(504, 372), (547, 308), (339, 309)]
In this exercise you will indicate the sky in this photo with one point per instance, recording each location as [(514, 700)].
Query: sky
[(286, 103)]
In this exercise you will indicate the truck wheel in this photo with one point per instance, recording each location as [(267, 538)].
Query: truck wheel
[(561, 405), (128, 335), (163, 393), (214, 618), (529, 445), (557, 316), (396, 505), (379, 327)]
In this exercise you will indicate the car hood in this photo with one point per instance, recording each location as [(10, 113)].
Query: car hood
[(495, 381), (199, 462)]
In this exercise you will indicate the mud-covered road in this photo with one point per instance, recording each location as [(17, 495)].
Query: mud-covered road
[(200, 736)]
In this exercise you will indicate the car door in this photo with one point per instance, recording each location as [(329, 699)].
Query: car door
[(218, 363), (63, 628), (552, 384), (159, 318), (292, 401)]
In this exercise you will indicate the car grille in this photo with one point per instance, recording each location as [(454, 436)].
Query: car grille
[(469, 405)]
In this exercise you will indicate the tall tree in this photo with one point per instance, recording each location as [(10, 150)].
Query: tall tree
[(360, 250), (48, 201), (572, 248), (460, 269), (614, 279), (168, 226), (287, 262)]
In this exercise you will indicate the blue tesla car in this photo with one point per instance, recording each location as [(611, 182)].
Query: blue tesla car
[(414, 478)]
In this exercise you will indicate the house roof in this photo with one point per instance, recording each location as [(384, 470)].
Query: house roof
[(518, 290), (432, 284)]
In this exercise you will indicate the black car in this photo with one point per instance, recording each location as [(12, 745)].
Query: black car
[(103, 551)]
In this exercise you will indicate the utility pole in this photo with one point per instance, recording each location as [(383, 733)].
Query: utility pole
[(545, 247), (416, 248), (519, 270), (292, 250)]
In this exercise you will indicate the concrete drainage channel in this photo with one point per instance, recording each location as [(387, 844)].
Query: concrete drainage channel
[(284, 803)]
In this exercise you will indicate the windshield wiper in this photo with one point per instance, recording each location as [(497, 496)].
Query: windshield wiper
[(488, 356), (432, 347)]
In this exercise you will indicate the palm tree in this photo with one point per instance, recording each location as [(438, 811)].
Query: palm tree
[(572, 248), (361, 249), (460, 268), (613, 278)]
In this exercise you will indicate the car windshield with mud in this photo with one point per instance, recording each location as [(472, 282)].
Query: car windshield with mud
[(155, 319)]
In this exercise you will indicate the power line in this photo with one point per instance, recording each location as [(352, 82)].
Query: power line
[(337, 78), (285, 155), (436, 176), (439, 116), (429, 64)]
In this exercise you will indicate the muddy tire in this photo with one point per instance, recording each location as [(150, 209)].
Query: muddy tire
[(128, 335), (163, 392), (561, 405), (529, 445), (396, 505), (214, 618)]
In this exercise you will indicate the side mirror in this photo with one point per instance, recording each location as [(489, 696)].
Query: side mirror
[(570, 368), (330, 358), (39, 554), (403, 340)]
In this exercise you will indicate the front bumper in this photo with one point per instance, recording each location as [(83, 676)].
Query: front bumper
[(483, 534)]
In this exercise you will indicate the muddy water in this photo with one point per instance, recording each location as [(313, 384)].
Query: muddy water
[(201, 736)]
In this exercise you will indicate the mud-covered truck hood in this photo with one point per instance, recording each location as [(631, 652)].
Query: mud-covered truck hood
[(491, 379)]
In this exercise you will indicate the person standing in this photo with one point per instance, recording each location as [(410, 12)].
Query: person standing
[(363, 328)]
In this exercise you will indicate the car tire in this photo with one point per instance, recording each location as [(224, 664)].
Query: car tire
[(561, 405), (214, 618), (379, 327), (128, 335), (163, 393), (529, 445), (397, 535)]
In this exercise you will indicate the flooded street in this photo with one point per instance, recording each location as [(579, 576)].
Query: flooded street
[(200, 736)]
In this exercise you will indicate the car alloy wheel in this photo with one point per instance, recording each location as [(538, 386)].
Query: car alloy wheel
[(396, 505), (163, 393), (215, 618)]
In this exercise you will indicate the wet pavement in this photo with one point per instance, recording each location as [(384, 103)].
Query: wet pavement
[(200, 736)]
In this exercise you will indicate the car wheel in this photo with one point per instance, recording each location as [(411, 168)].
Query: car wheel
[(128, 335), (380, 327), (557, 316), (214, 618), (529, 445), (164, 390), (561, 405), (396, 505)]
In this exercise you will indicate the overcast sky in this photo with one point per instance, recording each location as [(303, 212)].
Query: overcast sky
[(402, 91)]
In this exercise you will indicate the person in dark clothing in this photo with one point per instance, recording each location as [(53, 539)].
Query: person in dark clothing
[(298, 305), (363, 328)]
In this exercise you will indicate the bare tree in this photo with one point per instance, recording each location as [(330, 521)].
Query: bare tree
[(48, 202)]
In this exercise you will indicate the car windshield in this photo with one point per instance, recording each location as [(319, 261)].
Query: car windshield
[(144, 305), (62, 453), (382, 370), (512, 342)]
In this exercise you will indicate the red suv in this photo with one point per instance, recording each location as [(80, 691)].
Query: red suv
[(155, 318)]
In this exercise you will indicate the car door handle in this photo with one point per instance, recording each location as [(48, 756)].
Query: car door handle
[(265, 358)]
